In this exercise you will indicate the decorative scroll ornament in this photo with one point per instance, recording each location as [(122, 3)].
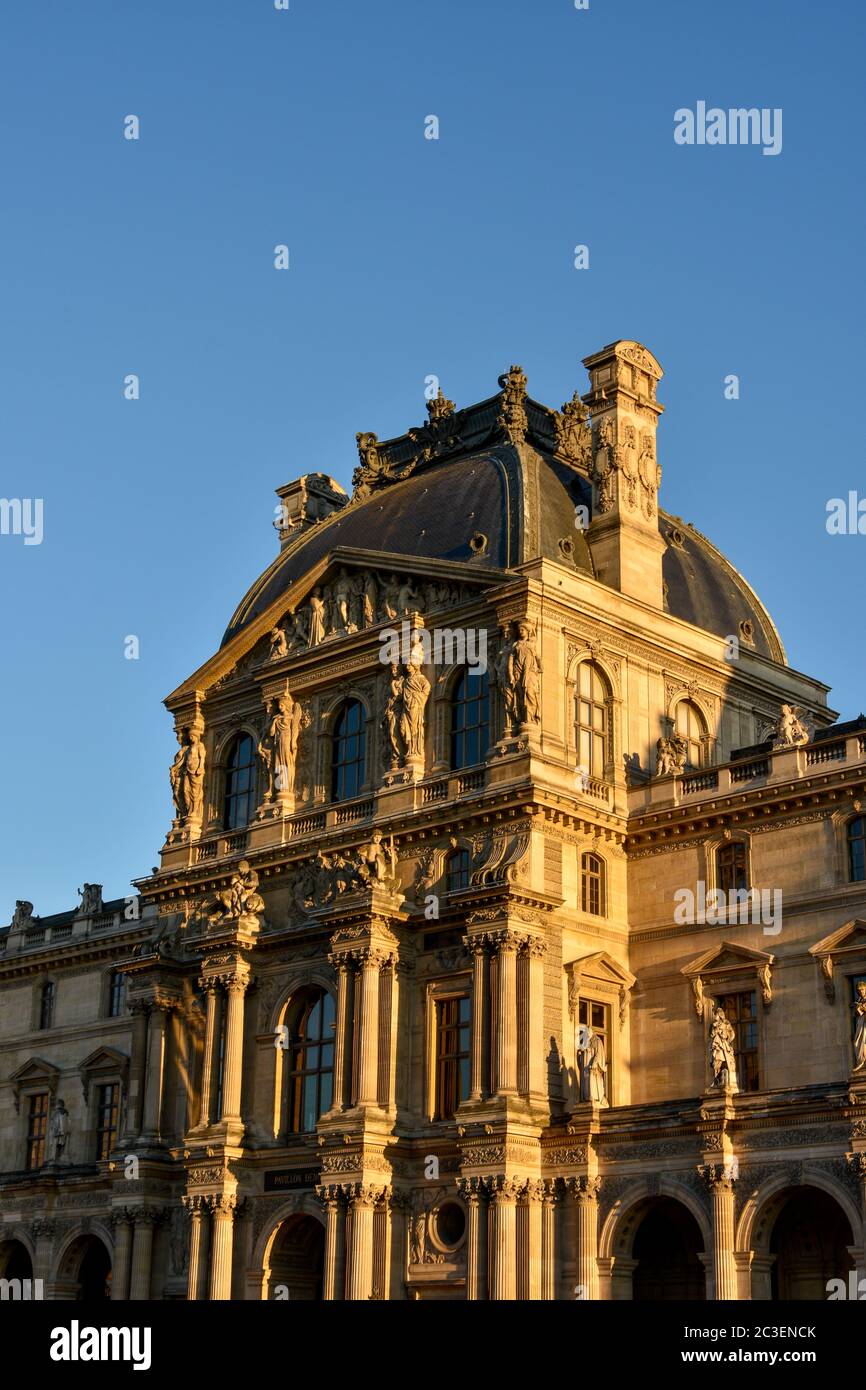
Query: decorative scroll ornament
[(512, 414), (573, 435)]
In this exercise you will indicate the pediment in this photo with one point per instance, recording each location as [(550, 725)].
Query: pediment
[(35, 1075), (104, 1059), (850, 938), (599, 966), (331, 602), (727, 955)]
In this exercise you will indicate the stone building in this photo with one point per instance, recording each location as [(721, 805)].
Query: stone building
[(509, 940)]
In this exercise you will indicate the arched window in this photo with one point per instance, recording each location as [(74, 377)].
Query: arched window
[(457, 870), (470, 719), (348, 759), (240, 783), (691, 729), (592, 885), (591, 720), (857, 849), (311, 1025), (731, 866)]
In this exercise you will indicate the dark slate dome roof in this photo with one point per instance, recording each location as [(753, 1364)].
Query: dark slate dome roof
[(524, 502)]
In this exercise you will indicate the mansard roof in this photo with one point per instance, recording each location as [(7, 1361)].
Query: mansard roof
[(496, 485)]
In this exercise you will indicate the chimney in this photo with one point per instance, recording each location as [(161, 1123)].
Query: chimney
[(304, 502), (624, 534)]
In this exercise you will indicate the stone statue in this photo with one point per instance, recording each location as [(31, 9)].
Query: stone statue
[(279, 645), (377, 863), (342, 595), (240, 903), (371, 599), (408, 600), (390, 597), (860, 1027), (670, 756), (91, 900), (593, 1073), (416, 691), (391, 716), (187, 776), (58, 1132), (503, 667), (793, 728), (282, 743), (722, 1059), (317, 618), (22, 916), (523, 673)]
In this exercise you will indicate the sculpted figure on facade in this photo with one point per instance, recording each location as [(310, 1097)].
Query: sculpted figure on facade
[(523, 676), (416, 692), (722, 1058), (671, 756), (860, 1027), (278, 750), (593, 1067), (793, 728), (512, 412), (279, 644), (91, 900), (240, 903), (22, 917), (58, 1133), (377, 862), (502, 670), (187, 777)]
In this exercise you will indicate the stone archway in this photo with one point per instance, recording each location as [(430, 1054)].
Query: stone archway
[(655, 1249), (84, 1271), (16, 1269), (809, 1245), (295, 1262)]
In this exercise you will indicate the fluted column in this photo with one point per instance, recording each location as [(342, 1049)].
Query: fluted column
[(506, 1013), (334, 1283), (121, 1264), (343, 1041), (548, 1241), (475, 1196), (363, 1203), (534, 1199), (137, 1067), (153, 1086), (222, 1206), (210, 989), (721, 1186), (533, 1035), (369, 1045), (142, 1253), (480, 1009), (236, 987), (504, 1282), (584, 1192), (198, 1246), (43, 1230)]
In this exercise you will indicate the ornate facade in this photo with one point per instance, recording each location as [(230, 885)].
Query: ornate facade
[(509, 939)]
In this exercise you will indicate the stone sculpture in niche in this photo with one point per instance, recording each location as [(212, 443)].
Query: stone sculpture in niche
[(722, 1058)]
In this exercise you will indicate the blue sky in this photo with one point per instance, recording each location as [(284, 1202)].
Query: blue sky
[(409, 257)]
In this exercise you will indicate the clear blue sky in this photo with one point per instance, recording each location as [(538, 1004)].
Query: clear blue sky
[(408, 257)]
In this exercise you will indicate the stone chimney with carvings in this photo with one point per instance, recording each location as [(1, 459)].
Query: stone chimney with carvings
[(305, 502), (623, 534)]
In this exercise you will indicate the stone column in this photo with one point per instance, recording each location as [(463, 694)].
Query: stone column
[(506, 1013), (475, 1196), (533, 1037), (137, 1067), (334, 1283), (360, 1280), (222, 1206), (42, 1230), (369, 1049), (142, 1251), (721, 1186), (120, 1265), (343, 1041), (504, 1244), (210, 989), (584, 1192), (534, 1198), (548, 1241), (236, 987), (196, 1210), (153, 1085), (480, 1008)]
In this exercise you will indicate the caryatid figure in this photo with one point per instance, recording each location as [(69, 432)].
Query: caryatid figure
[(524, 672), (187, 776), (416, 690), (283, 738), (860, 1027)]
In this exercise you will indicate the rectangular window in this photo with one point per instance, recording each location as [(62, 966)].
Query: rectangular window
[(37, 1129), (596, 1019), (107, 1104), (116, 994), (741, 1013), (46, 1005), (453, 1022)]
